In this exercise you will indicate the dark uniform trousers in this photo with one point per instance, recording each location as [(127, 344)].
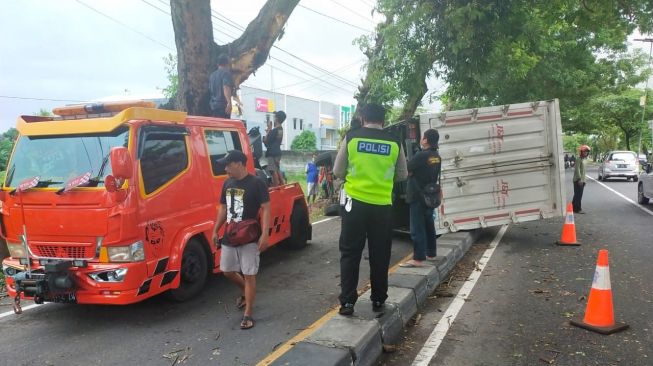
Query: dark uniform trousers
[(374, 223)]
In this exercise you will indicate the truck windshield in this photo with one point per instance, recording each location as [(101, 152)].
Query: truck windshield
[(57, 159)]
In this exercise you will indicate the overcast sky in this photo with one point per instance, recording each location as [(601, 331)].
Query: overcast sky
[(66, 50), (59, 52)]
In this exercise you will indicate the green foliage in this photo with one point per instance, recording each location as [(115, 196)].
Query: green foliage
[(44, 113), (499, 52), (7, 140), (170, 91), (305, 141), (621, 110)]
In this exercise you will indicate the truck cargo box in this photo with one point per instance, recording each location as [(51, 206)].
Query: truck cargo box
[(500, 165)]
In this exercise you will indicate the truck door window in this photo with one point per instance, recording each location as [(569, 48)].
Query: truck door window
[(218, 143), (163, 155)]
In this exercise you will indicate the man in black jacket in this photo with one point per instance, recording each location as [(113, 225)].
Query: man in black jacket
[(423, 168)]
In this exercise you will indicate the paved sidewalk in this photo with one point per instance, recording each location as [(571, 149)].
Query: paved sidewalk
[(359, 339)]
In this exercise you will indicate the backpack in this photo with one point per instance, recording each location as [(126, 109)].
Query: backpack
[(432, 195)]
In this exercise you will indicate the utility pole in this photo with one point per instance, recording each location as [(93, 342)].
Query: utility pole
[(650, 52)]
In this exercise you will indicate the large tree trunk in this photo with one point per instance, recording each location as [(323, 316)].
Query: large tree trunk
[(197, 53)]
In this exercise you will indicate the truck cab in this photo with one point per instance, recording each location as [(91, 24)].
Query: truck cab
[(115, 203)]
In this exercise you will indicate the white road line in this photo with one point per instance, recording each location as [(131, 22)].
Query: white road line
[(432, 344), (622, 196), (8, 313), (325, 220)]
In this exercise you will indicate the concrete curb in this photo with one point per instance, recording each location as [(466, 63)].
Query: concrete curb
[(359, 339)]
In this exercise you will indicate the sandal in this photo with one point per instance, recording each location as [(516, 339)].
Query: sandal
[(247, 322), (240, 302), (412, 264)]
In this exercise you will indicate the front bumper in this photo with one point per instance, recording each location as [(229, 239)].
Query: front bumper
[(69, 284)]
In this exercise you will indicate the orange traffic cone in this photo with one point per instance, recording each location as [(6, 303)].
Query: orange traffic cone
[(599, 314), (568, 236)]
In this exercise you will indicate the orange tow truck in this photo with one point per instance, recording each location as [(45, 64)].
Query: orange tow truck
[(114, 203)]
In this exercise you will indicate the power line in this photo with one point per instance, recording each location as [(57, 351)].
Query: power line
[(240, 28), (367, 3), (353, 11), (237, 26), (338, 69), (124, 25), (336, 19), (217, 16)]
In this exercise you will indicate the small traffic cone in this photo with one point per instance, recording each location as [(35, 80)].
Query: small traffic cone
[(568, 236), (599, 314)]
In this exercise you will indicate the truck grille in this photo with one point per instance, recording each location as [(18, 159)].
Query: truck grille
[(64, 251)]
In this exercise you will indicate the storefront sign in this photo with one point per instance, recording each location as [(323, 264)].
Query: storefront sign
[(264, 105)]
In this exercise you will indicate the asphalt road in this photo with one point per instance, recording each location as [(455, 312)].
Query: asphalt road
[(518, 311), (295, 288)]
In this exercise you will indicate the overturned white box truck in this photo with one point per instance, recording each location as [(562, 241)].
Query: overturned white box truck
[(500, 165)]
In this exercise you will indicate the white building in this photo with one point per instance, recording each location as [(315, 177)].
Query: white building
[(322, 118)]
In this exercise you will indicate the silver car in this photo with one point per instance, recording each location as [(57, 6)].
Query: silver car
[(645, 185), (624, 164)]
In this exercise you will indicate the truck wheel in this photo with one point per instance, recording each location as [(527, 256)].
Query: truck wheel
[(193, 272), (299, 228), (332, 210), (640, 195)]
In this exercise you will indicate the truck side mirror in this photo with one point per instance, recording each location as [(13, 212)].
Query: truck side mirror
[(121, 163)]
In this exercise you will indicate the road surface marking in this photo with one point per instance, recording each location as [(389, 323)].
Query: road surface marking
[(313, 327), (622, 196), (2, 315), (325, 220), (28, 307), (432, 344)]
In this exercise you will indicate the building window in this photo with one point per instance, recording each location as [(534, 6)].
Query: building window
[(301, 124), (294, 123)]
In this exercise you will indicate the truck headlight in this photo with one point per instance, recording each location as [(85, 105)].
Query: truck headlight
[(129, 253), (16, 250), (116, 275)]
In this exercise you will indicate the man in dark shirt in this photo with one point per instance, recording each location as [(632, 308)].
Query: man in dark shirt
[(221, 84), (243, 195), (423, 168), (272, 142)]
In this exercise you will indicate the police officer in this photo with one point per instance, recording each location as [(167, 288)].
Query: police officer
[(370, 160)]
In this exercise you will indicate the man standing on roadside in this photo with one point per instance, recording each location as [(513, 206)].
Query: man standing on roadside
[(243, 195), (221, 85), (423, 168), (272, 141), (311, 180), (579, 178), (370, 160)]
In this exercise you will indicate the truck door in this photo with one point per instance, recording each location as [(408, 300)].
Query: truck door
[(171, 195)]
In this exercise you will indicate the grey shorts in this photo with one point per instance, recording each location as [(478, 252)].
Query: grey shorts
[(244, 259), (274, 163)]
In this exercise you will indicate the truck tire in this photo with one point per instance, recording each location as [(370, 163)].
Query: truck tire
[(299, 228), (324, 159), (640, 195), (193, 272), (332, 210)]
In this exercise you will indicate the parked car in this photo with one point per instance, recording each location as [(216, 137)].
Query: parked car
[(642, 160), (645, 185), (624, 164)]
